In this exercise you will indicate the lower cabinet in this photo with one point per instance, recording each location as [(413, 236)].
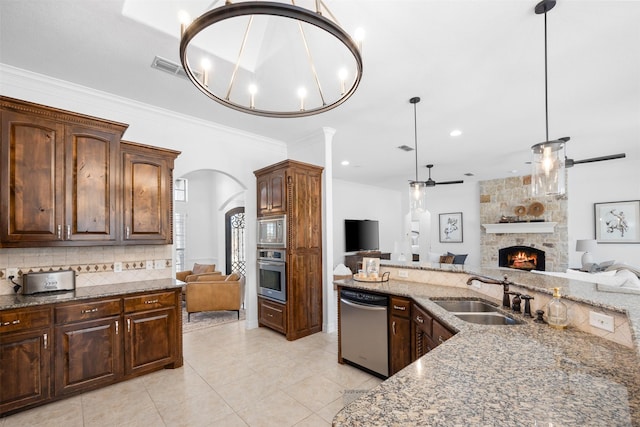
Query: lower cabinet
[(94, 343), (272, 314), (25, 358), (427, 332), (399, 334)]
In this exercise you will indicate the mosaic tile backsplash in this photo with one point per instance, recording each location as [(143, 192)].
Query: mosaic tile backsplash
[(93, 266)]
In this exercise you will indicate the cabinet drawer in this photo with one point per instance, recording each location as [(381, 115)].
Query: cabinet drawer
[(400, 307), (13, 320), (149, 302), (422, 319), (440, 333), (87, 311), (272, 314)]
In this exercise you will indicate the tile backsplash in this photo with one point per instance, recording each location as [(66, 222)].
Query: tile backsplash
[(95, 265)]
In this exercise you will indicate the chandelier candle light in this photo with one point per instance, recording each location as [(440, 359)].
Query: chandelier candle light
[(272, 48)]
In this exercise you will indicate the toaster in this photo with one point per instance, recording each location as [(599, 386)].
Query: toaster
[(48, 281)]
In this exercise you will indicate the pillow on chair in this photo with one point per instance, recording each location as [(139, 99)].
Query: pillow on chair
[(203, 268), (458, 259), (233, 277), (446, 259)]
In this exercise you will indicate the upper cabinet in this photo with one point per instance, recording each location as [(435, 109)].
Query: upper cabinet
[(147, 194), (271, 193), (61, 181)]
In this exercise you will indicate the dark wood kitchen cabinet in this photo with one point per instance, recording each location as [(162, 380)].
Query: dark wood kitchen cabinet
[(151, 337), (272, 314), (88, 345), (147, 194), (25, 357), (58, 183), (295, 189), (427, 332), (399, 334), (271, 193)]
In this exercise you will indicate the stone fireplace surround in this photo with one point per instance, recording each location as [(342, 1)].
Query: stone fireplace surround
[(500, 197)]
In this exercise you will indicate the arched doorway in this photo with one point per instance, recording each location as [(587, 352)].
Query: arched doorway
[(235, 241)]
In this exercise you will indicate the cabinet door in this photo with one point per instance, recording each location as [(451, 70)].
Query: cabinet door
[(272, 315), (421, 332), (399, 342), (305, 213), (91, 183), (87, 355), (147, 199), (304, 293), (25, 363), (32, 179), (271, 193), (150, 340)]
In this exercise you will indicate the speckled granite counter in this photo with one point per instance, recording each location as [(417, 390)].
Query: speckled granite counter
[(528, 374), (87, 292)]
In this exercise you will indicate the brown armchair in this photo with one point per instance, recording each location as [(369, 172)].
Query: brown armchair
[(215, 293), (199, 270)]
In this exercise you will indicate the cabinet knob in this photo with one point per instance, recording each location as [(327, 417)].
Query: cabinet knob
[(68, 232), (126, 232), (419, 319), (45, 338)]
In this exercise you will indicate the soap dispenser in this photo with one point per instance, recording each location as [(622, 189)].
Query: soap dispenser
[(557, 311)]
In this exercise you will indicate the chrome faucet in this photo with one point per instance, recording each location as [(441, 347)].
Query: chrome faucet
[(506, 300)]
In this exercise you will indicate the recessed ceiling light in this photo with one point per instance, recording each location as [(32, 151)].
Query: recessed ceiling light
[(455, 132), (514, 171), (345, 163)]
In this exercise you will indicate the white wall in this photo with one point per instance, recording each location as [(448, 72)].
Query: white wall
[(358, 201), (610, 181)]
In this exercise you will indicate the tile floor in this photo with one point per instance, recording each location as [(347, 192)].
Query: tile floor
[(231, 377)]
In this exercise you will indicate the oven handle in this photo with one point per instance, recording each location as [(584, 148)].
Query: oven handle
[(363, 306), (273, 263)]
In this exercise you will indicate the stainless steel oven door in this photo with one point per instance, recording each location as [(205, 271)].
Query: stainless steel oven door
[(272, 281)]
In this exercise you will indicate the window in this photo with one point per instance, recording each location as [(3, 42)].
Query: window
[(180, 190), (179, 239)]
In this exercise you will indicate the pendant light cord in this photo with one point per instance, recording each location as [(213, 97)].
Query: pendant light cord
[(546, 95), (415, 133)]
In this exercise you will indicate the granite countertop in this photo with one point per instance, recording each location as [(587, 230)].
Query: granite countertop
[(527, 374), (87, 292)]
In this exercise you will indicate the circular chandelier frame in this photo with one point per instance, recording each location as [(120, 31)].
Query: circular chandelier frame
[(271, 9)]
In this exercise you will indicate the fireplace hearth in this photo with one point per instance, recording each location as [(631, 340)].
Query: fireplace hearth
[(522, 258)]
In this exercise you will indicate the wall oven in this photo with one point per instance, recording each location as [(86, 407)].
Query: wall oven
[(272, 279), (272, 232)]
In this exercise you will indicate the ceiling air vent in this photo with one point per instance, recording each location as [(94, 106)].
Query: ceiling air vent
[(170, 67), (405, 148)]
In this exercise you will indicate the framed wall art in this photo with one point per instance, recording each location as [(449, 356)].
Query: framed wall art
[(617, 222), (451, 227)]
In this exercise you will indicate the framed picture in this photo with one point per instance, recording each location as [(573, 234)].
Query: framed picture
[(617, 222), (451, 227)]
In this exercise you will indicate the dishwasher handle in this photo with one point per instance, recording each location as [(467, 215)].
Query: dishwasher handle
[(363, 306)]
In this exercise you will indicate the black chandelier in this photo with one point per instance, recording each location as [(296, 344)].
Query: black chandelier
[(291, 61)]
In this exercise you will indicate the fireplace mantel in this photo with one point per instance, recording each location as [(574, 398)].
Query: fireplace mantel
[(520, 227)]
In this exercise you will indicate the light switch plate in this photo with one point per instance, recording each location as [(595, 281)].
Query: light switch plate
[(11, 272), (403, 273), (602, 321), (150, 265), (159, 263), (117, 267)]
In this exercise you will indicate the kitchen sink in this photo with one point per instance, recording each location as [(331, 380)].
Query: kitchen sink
[(487, 318), (466, 306), (476, 311)]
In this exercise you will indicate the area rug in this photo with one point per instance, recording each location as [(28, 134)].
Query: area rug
[(207, 319)]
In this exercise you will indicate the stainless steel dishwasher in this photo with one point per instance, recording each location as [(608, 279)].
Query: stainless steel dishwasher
[(363, 330)]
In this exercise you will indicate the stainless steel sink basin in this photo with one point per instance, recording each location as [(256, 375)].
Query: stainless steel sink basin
[(476, 311), (466, 306), (487, 318)]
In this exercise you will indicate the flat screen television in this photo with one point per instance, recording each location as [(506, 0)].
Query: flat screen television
[(361, 235)]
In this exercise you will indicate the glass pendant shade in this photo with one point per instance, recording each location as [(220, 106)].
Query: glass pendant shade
[(548, 175), (417, 199)]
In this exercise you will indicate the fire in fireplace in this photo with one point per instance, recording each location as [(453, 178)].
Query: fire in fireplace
[(521, 258)]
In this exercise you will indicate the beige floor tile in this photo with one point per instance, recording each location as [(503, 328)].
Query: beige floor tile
[(247, 392), (328, 412), (201, 410), (313, 420), (276, 410), (66, 412), (315, 392), (126, 402), (232, 420), (346, 375), (177, 386)]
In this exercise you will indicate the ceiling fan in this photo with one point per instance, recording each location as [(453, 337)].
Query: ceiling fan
[(431, 183), (570, 162)]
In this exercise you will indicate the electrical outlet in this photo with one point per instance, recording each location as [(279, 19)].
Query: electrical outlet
[(150, 265), (476, 284), (11, 272), (159, 264), (403, 273), (602, 321), (117, 267)]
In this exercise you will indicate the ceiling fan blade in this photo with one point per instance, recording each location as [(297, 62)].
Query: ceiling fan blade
[(571, 162), (449, 182)]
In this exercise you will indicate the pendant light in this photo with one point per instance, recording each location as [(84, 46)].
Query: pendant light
[(548, 174), (418, 189)]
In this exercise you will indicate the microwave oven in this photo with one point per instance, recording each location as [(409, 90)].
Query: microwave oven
[(272, 232)]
